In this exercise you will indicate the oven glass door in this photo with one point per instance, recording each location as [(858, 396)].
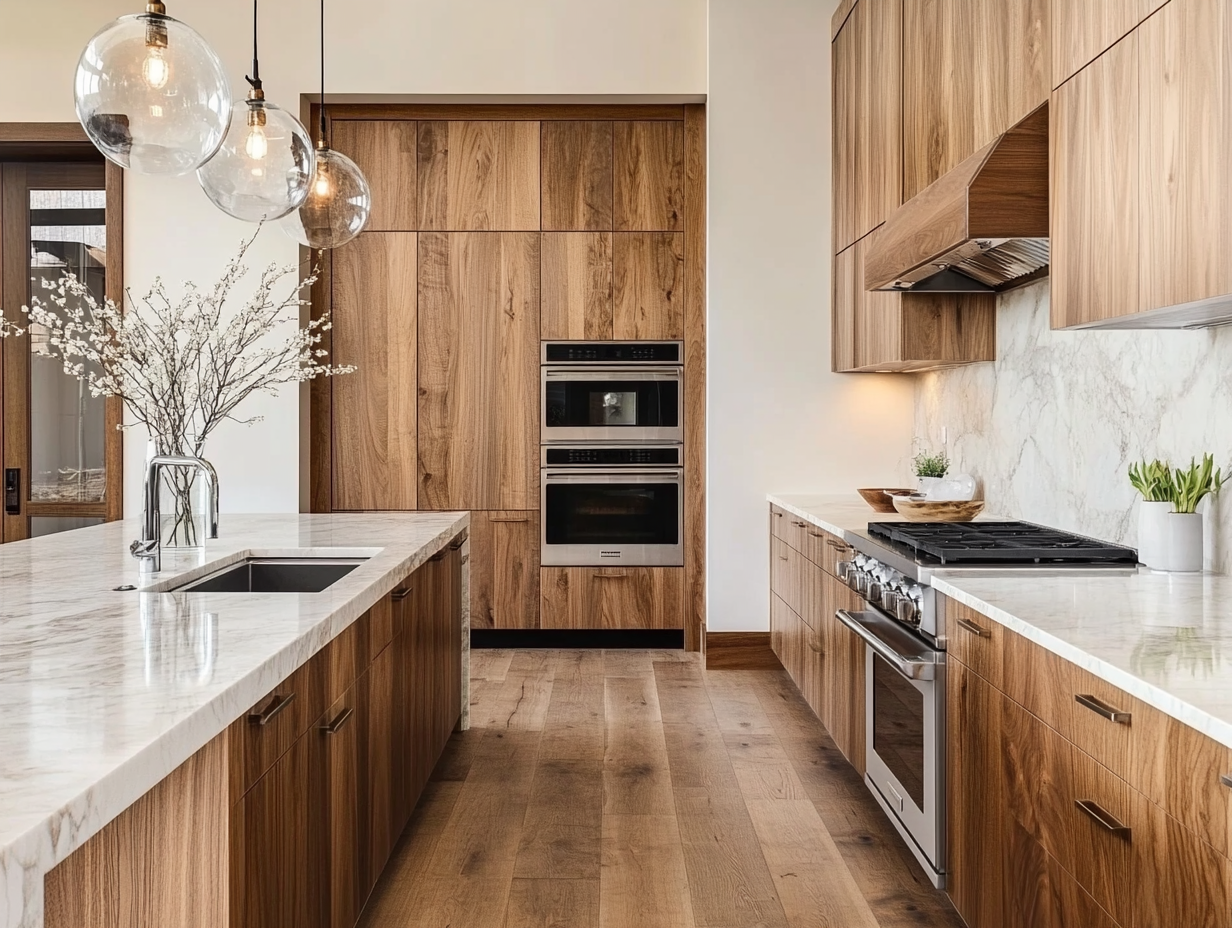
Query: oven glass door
[(641, 405), (898, 719), (594, 518)]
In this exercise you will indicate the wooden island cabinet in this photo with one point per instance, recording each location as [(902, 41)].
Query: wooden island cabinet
[(287, 818)]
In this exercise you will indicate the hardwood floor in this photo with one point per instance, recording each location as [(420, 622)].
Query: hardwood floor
[(636, 789)]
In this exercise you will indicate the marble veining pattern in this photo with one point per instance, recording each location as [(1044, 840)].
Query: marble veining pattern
[(104, 693), (1053, 424)]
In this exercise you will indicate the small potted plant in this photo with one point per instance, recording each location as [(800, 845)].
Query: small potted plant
[(1169, 525), (930, 469)]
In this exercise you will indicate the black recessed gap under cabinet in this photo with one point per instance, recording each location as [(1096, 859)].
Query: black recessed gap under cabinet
[(664, 639)]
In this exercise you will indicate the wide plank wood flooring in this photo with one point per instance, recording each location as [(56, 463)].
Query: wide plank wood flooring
[(636, 789)]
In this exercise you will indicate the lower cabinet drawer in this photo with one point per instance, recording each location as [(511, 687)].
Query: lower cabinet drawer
[(263, 734), (612, 597), (1040, 893), (976, 640), (1105, 834), (825, 550)]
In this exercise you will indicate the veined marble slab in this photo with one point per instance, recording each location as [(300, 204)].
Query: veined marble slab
[(1164, 638), (104, 693)]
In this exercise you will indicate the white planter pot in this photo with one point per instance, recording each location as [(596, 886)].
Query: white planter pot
[(1184, 541), (1153, 534), (926, 484)]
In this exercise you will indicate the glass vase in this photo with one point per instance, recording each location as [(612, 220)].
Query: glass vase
[(182, 508)]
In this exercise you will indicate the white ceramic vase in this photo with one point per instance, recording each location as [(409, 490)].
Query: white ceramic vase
[(1153, 534), (1184, 541), (927, 484)]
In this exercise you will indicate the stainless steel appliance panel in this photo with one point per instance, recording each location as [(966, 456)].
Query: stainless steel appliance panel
[(628, 404)]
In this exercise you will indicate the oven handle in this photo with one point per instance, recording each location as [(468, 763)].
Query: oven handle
[(632, 373), (584, 476), (913, 668)]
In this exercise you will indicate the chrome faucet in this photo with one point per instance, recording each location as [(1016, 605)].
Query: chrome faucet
[(149, 547)]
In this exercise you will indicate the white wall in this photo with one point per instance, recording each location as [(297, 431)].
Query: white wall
[(777, 419), (399, 47)]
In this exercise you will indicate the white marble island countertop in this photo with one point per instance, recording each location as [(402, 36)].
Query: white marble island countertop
[(1164, 638), (104, 693)]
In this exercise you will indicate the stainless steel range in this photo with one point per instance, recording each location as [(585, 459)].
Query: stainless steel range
[(904, 628)]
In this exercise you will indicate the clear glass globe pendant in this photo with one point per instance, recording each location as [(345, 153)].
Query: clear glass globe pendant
[(338, 204), (263, 169), (152, 95)]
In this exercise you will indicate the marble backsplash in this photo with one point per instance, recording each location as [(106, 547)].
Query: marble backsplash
[(1053, 424)]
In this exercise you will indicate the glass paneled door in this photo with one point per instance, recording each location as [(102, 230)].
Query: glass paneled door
[(60, 446)]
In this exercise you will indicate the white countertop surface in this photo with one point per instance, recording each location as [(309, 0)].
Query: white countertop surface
[(104, 693), (1164, 638)]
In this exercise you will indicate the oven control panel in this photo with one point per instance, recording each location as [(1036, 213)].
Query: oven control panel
[(886, 588), (611, 352), (611, 456)]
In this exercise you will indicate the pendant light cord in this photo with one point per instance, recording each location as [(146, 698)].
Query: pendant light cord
[(322, 138), (255, 80)]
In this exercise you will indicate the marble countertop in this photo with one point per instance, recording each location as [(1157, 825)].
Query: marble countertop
[(104, 693), (1164, 638)]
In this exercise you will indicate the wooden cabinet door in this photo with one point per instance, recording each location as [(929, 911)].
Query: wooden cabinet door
[(1013, 71), (844, 304), (975, 816), (278, 828), (1094, 140), (337, 739), (374, 408), (377, 699), (1184, 83), (879, 138), (577, 176), (577, 285), (505, 569), (479, 370), (648, 176), (845, 689), (384, 149), (1082, 30), (612, 597), (845, 75), (478, 176), (648, 285), (1178, 878)]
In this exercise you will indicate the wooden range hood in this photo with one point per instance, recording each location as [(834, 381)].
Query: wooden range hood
[(981, 228)]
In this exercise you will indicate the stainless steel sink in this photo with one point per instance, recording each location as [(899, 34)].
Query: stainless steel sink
[(275, 575)]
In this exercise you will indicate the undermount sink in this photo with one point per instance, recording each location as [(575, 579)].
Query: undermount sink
[(274, 575)]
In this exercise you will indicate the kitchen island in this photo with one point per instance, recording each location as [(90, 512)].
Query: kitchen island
[(106, 692)]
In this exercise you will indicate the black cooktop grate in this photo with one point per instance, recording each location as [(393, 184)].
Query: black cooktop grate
[(999, 543)]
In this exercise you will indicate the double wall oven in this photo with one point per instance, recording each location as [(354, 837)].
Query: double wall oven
[(612, 456)]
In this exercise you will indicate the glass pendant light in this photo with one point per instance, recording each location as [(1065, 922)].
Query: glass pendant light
[(151, 94), (339, 198), (265, 163)]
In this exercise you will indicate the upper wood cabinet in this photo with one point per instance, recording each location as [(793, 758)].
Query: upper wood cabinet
[(867, 111), (384, 149), (479, 370), (478, 176), (1085, 29), (577, 285), (374, 409), (577, 176), (648, 285), (649, 176), (971, 70)]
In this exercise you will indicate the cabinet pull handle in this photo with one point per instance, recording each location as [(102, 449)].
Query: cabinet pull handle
[(777, 515), (969, 626), (1104, 819), (337, 724), (1101, 708), (439, 556), (782, 557), (833, 542), (610, 574), (509, 518), (276, 705), (798, 524), (454, 546), (1225, 780), (399, 595)]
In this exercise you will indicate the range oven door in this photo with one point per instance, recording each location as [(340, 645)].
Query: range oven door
[(904, 732), (620, 404), (600, 517)]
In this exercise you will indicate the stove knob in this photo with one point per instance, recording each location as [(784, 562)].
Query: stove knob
[(844, 568), (907, 610), (890, 599), (873, 592)]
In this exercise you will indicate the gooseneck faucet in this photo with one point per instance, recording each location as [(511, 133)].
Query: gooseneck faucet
[(149, 547)]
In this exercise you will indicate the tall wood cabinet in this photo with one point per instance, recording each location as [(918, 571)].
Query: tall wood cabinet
[(494, 227)]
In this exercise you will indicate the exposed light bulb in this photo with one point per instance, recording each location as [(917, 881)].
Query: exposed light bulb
[(256, 145), (155, 69), (321, 186)]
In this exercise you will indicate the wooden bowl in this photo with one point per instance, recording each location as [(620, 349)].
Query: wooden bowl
[(879, 499), (914, 509)]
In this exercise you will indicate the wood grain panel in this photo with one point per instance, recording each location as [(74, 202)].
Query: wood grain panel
[(844, 305), (378, 740), (577, 285), (478, 176), (612, 597), (321, 390), (506, 111), (740, 651), (1039, 893), (648, 167), (1101, 861), (845, 78), (373, 409), (479, 371), (345, 850), (879, 140), (504, 569), (113, 406), (1095, 190), (1178, 879), (648, 285), (162, 861), (695, 194), (253, 748), (1039, 791), (976, 641), (1085, 29), (1013, 63), (1184, 225), (845, 691), (385, 150), (577, 176)]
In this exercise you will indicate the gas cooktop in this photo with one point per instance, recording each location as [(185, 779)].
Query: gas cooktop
[(998, 543)]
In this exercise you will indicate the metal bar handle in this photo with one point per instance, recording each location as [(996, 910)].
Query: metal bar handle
[(337, 724), (399, 595), (798, 524), (833, 542), (610, 573), (1104, 819), (1101, 708), (276, 705), (508, 518), (910, 668), (969, 626), (1225, 780)]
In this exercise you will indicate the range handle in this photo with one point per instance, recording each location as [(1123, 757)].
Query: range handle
[(913, 667)]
